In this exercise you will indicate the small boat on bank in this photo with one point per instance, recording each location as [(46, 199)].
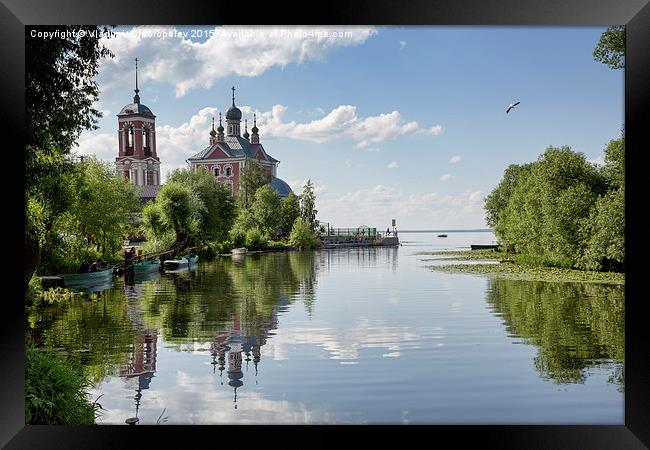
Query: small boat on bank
[(147, 266), (484, 247), (185, 261), (87, 278), (442, 235), (239, 251)]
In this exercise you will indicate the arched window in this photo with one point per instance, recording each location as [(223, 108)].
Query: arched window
[(228, 171), (216, 171)]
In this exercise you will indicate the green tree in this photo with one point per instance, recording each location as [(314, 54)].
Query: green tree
[(545, 210), (290, 212), (59, 95), (102, 206), (252, 177), (610, 49), (302, 235), (266, 210), (218, 214), (497, 200), (181, 209), (308, 205), (604, 232)]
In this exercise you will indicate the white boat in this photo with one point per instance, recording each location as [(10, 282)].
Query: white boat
[(185, 261), (239, 251)]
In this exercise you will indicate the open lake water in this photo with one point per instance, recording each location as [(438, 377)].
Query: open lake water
[(358, 335)]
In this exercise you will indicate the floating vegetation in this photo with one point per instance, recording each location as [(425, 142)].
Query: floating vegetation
[(512, 269)]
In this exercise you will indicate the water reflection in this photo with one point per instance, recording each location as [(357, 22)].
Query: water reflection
[(576, 326), (238, 339)]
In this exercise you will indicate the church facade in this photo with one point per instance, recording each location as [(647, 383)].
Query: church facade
[(227, 154)]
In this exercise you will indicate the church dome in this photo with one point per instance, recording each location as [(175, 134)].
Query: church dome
[(280, 186), (135, 108), (233, 113)]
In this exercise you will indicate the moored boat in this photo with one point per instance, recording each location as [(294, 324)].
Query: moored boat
[(185, 261), (442, 235), (87, 278), (239, 251), (146, 266)]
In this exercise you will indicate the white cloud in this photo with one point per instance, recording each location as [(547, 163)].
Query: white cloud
[(402, 44), (177, 143), (377, 205), (392, 165), (598, 161), (297, 185), (434, 130), (446, 177), (455, 159), (169, 57)]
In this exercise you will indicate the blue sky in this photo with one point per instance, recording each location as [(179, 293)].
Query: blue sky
[(388, 122)]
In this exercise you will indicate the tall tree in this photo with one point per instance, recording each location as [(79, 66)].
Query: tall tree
[(290, 212), (59, 95), (251, 178), (610, 49), (216, 218), (308, 205), (266, 210)]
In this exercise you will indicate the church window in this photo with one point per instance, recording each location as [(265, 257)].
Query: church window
[(228, 171), (149, 177), (216, 171)]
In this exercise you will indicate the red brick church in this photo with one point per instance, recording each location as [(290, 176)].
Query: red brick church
[(225, 156)]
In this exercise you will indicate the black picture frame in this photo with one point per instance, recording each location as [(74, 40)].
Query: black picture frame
[(635, 14)]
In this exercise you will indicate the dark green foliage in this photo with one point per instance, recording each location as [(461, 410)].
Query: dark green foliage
[(290, 212), (255, 240), (55, 392), (59, 96), (266, 210), (302, 235), (561, 211), (251, 178), (218, 212), (610, 49), (238, 238)]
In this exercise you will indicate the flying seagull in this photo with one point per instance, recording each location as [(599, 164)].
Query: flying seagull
[(510, 106)]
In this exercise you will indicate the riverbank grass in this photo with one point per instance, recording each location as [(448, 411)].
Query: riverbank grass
[(521, 267)]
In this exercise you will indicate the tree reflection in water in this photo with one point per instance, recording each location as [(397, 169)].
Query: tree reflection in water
[(576, 326)]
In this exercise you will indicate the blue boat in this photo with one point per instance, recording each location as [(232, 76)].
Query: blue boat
[(87, 278), (147, 266)]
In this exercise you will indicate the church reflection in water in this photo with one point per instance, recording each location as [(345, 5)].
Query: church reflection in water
[(141, 367), (236, 346)]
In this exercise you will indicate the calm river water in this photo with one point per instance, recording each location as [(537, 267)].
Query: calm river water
[(347, 336)]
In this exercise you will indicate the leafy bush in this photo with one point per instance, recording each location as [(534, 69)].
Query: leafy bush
[(254, 240), (55, 393), (34, 291), (237, 238), (302, 235)]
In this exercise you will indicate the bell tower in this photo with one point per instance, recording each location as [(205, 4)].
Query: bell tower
[(137, 158)]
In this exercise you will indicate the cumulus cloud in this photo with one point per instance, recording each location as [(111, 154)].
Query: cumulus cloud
[(177, 143), (381, 203), (446, 177), (297, 185), (342, 122), (455, 160), (392, 165), (170, 56), (402, 44), (433, 131)]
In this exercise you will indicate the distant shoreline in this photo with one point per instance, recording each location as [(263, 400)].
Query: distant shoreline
[(479, 230)]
